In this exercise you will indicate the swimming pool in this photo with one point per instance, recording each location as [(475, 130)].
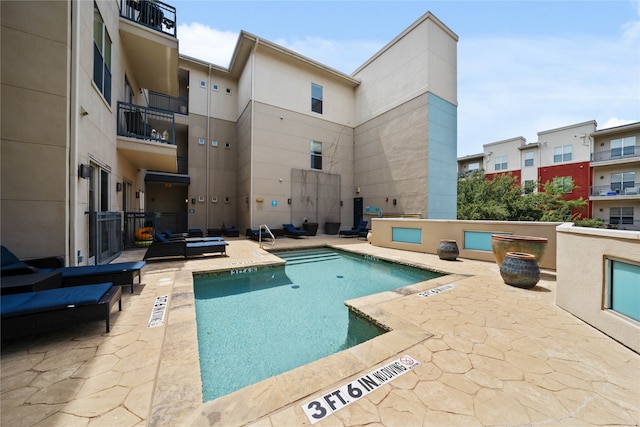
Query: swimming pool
[(263, 322)]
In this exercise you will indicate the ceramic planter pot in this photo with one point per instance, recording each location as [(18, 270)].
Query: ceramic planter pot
[(448, 250), (501, 244), (520, 270)]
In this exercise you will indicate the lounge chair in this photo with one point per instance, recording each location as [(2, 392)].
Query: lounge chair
[(206, 247), (258, 235), (28, 313), (118, 273), (165, 248), (173, 236), (291, 231), (355, 231), (230, 231)]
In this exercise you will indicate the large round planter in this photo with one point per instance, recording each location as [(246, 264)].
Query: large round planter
[(448, 250), (501, 244), (520, 270), (331, 227)]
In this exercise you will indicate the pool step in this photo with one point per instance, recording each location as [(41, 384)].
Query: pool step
[(302, 257)]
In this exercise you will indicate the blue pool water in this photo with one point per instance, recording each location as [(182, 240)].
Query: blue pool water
[(261, 323)]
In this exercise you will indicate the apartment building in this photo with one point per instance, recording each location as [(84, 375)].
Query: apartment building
[(106, 128), (615, 176), (601, 164)]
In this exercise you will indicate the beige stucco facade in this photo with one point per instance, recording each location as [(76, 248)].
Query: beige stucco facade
[(238, 149), (585, 295)]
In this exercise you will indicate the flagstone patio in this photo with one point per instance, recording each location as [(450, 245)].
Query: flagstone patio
[(488, 354)]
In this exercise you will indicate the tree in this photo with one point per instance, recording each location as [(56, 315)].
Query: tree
[(502, 199), (480, 198)]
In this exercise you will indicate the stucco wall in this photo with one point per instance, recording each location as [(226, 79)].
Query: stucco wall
[(35, 132), (432, 231), (581, 277)]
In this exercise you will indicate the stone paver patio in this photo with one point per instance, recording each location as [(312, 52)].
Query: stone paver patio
[(489, 354)]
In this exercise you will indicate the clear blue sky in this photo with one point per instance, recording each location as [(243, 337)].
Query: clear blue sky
[(523, 66)]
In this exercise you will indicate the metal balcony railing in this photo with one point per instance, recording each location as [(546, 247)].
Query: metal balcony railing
[(154, 14), (616, 153), (136, 121), (159, 221), (160, 101), (105, 235), (613, 190), (624, 224)]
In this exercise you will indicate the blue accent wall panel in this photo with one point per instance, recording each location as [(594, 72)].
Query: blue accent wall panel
[(406, 235), (442, 172), (625, 289), (479, 240)]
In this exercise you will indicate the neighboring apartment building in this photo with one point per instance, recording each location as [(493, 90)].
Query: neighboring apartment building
[(602, 164), (107, 128), (615, 174)]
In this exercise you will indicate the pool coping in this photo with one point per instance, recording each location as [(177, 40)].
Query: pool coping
[(179, 368)]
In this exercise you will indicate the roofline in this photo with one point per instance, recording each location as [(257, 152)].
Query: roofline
[(589, 122), (245, 44), (521, 138), (616, 129), (246, 39), (427, 16), (471, 156)]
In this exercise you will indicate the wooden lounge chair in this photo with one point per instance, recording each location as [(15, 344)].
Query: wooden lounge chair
[(355, 231), (291, 231), (27, 313)]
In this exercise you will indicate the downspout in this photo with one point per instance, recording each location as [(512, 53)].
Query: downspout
[(72, 224), (253, 101), (208, 151)]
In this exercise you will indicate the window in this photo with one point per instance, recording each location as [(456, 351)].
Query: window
[(316, 155), (316, 98), (474, 166), (529, 186), (623, 146), (562, 154), (528, 158), (501, 163), (622, 215), (564, 182), (101, 55), (623, 288), (623, 180)]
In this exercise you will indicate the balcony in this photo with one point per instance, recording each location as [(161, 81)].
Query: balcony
[(148, 34), (602, 192), (624, 224), (617, 155), (147, 137), (160, 101)]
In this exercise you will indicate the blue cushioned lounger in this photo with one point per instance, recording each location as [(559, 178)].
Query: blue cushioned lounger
[(355, 231), (291, 231), (119, 273), (32, 312)]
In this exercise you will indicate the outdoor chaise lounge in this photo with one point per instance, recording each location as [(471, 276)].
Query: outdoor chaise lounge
[(291, 231), (28, 313), (355, 231), (184, 248), (118, 273)]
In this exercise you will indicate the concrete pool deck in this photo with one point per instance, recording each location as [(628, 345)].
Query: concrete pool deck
[(489, 354)]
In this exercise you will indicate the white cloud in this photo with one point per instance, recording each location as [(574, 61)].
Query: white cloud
[(215, 46), (614, 122), (206, 43), (521, 86)]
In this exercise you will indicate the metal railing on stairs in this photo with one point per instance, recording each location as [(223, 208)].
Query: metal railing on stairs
[(273, 239)]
